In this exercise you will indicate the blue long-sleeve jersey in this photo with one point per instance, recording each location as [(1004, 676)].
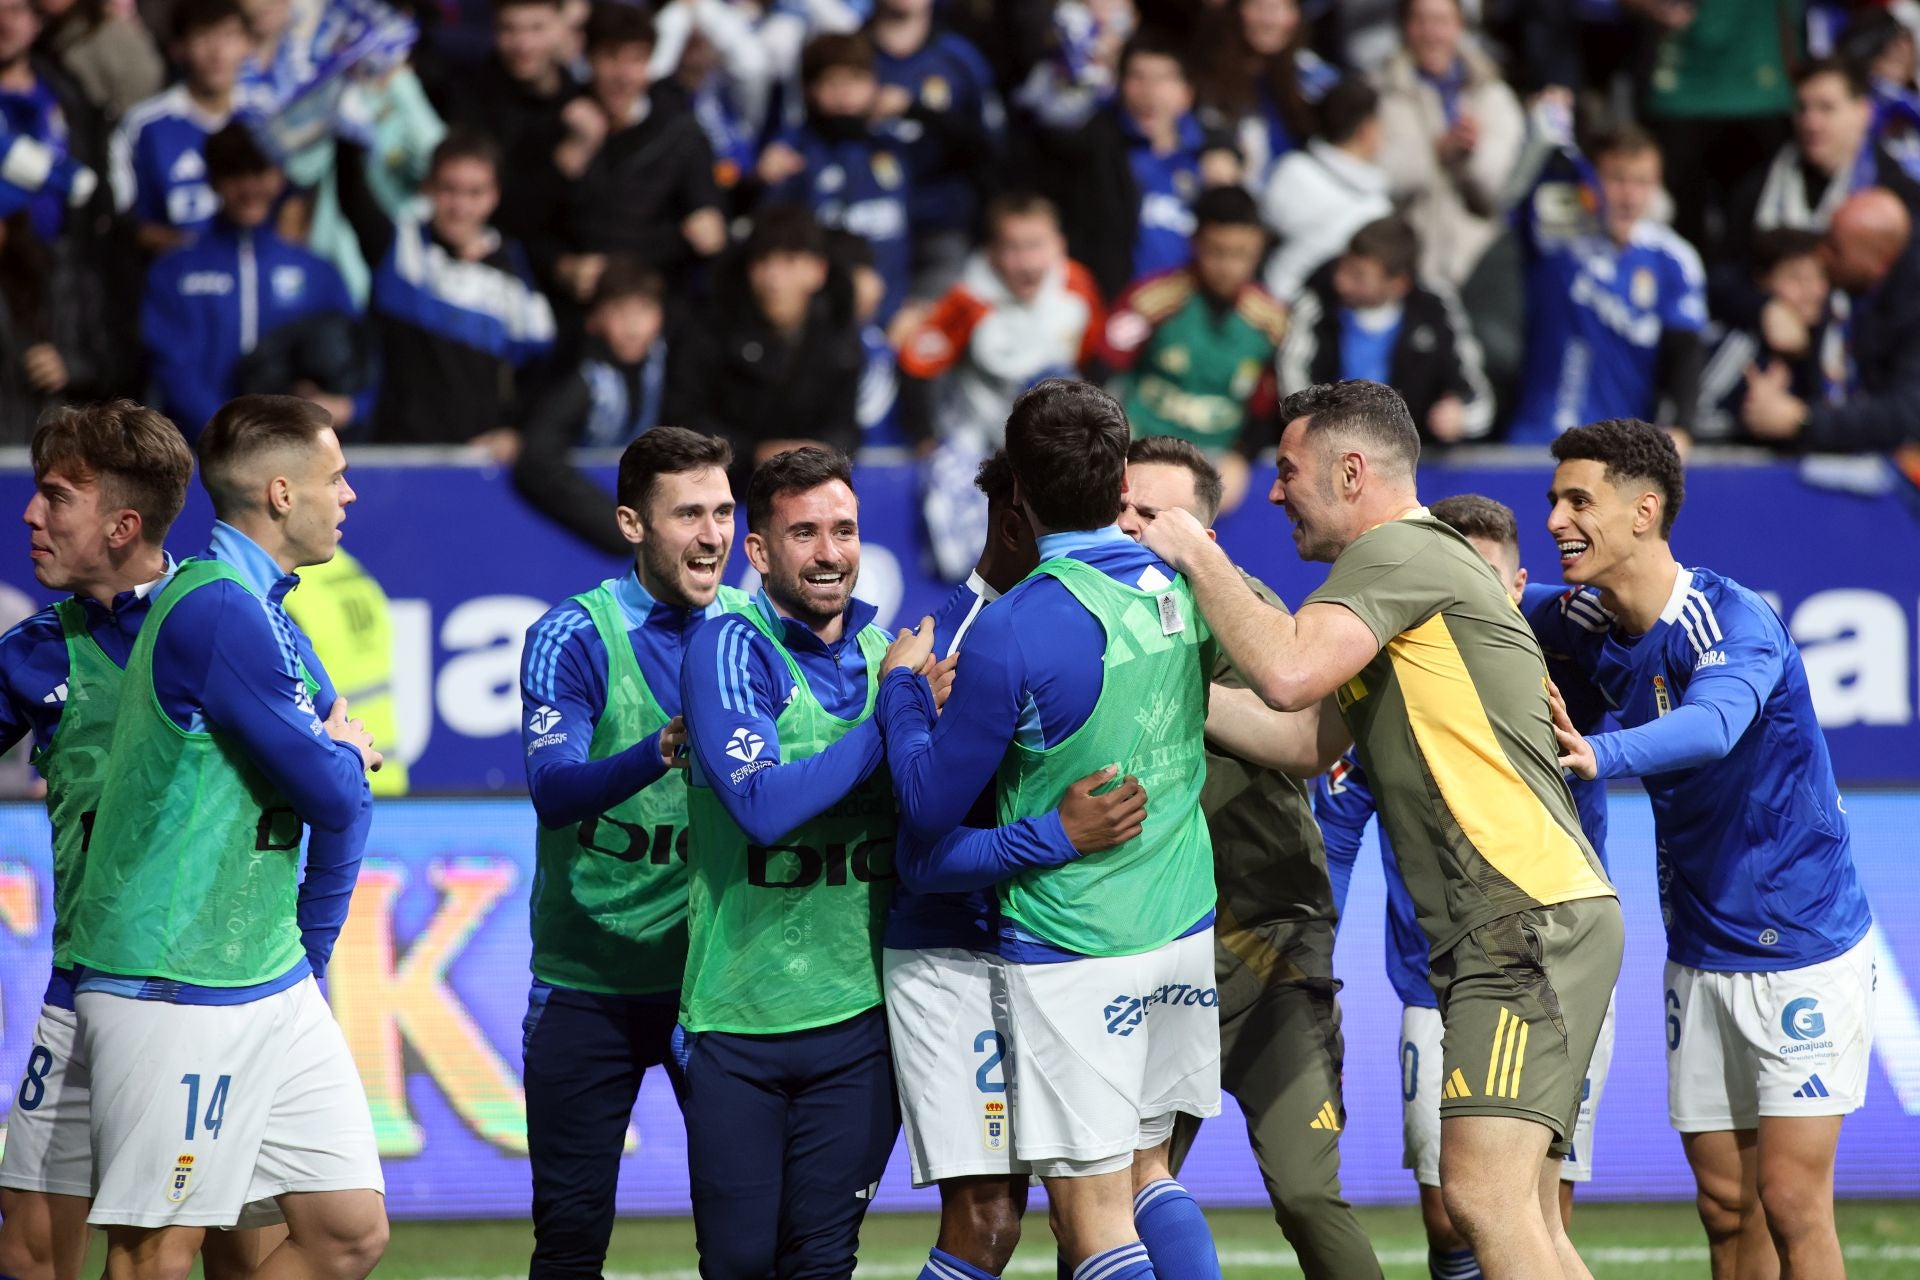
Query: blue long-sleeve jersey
[(209, 304), (1027, 675), (1755, 859), (158, 158), (945, 76), (733, 680), (1596, 313), (563, 690), (229, 658), (943, 898), (1343, 802), (862, 184)]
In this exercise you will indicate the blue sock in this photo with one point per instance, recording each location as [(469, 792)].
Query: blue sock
[(1128, 1262), (1457, 1265), (944, 1266), (1175, 1232)]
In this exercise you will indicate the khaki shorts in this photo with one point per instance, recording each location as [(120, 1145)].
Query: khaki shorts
[(1523, 999)]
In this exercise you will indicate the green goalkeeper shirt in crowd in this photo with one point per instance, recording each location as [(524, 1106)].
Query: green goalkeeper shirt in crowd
[(1191, 365)]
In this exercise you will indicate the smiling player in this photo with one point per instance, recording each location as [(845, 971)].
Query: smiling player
[(600, 686), (1769, 991)]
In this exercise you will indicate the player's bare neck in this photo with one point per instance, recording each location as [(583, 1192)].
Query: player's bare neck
[(1636, 594)]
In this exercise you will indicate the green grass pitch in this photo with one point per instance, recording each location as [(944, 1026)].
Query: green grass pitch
[(1631, 1242)]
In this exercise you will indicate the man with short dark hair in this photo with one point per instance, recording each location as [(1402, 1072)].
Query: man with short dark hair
[(600, 689), (637, 167), (1344, 804), (1770, 947), (789, 1083), (108, 482), (198, 938), (210, 305), (941, 955), (1280, 1044), (1097, 658), (1414, 644)]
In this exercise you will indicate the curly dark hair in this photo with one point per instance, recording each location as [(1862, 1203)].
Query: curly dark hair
[(1630, 449), (995, 478)]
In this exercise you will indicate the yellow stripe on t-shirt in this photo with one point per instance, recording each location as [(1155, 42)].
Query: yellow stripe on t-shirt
[(1507, 824)]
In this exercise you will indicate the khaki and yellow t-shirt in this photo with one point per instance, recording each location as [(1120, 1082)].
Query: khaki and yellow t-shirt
[(1452, 726)]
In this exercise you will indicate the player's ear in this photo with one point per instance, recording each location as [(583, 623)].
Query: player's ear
[(757, 552), (125, 529), (1646, 512), (279, 496), (632, 527)]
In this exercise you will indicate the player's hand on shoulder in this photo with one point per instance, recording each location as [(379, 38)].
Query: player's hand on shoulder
[(341, 728), (1176, 537), (1097, 820), (942, 680), (673, 743), (912, 649)]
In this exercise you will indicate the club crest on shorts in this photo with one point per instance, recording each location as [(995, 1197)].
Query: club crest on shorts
[(182, 1174), (993, 1126)]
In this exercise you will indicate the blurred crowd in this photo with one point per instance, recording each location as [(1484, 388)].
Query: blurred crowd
[(534, 225)]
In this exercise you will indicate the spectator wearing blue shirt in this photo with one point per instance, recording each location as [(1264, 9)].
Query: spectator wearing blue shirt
[(210, 306), (42, 103), (1770, 948), (928, 71), (1125, 181), (1615, 300), (852, 167), (159, 168)]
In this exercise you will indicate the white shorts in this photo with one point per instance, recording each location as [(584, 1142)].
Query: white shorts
[(1578, 1164), (950, 1062), (202, 1112), (1795, 1042), (1421, 1035), (49, 1147), (1107, 1049)]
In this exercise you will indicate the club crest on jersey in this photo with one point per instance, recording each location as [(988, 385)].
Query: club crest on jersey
[(1644, 289), (886, 170), (1661, 701), (993, 1126), (938, 95), (177, 1181)]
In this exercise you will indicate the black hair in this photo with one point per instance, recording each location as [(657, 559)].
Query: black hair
[(612, 25), (784, 228), (1158, 41), (664, 451), (1776, 245), (995, 479), (1371, 412), (1067, 441), (1226, 206), (795, 471), (468, 144), (1630, 449), (194, 16), (235, 153), (1171, 451), (1850, 72), (849, 51), (1347, 107)]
